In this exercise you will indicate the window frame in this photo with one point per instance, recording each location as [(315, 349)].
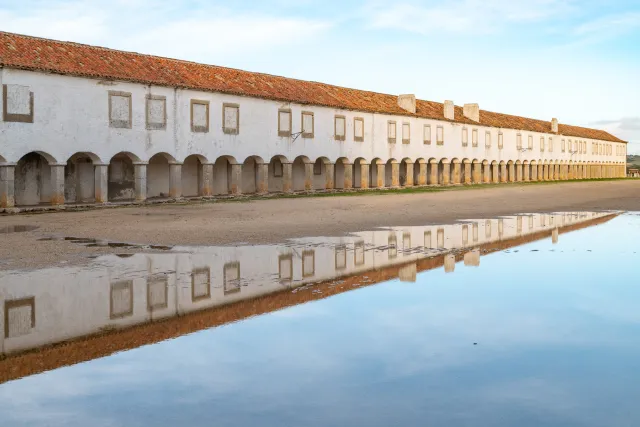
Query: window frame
[(500, 140), (425, 133), (155, 126), (474, 137), (284, 133), (337, 137), (408, 139), (313, 124), (225, 129), (117, 124), (205, 128), (487, 139), (357, 138), (394, 139), (465, 137), (439, 133)]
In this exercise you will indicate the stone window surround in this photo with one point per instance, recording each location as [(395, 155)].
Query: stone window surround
[(550, 144), (199, 129), (356, 247), (195, 272), (500, 140), (465, 137), (281, 132), (394, 139), (313, 124), (474, 137), (158, 277), (9, 304), (16, 118), (280, 259), (308, 253), (114, 286), (234, 290), (542, 144), (487, 139), (226, 130), (120, 124), (563, 146), (439, 134), (408, 139), (155, 126), (357, 138), (427, 134), (335, 127), (340, 256), (519, 141)]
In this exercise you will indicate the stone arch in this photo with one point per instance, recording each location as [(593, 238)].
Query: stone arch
[(158, 175), (465, 171), (405, 175), (389, 168), (279, 174), (33, 179), (321, 179), (496, 171), (454, 171), (121, 176), (342, 173), (223, 179), (420, 172), (486, 171), (80, 178), (511, 176), (443, 171), (526, 171), (376, 173), (253, 175), (299, 173), (192, 176), (432, 171), (503, 174), (360, 173)]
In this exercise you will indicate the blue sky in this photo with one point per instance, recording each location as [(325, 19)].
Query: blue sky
[(575, 60)]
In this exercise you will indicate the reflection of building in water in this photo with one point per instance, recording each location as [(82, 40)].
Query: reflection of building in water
[(56, 304)]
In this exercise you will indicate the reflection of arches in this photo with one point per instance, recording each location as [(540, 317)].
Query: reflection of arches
[(278, 174), (298, 172), (158, 174), (251, 174), (405, 176), (191, 174), (32, 179), (222, 180), (320, 173), (121, 181), (388, 172), (340, 169), (80, 178)]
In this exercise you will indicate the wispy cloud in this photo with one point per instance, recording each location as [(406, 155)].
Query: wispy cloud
[(626, 128)]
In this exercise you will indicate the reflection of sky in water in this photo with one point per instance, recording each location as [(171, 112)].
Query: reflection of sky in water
[(556, 327)]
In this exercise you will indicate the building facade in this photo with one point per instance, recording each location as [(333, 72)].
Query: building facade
[(82, 124)]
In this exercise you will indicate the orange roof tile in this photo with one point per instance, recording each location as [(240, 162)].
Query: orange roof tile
[(37, 54)]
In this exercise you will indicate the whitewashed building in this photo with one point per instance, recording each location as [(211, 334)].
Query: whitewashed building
[(85, 124)]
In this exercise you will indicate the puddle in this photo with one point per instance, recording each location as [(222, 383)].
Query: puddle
[(95, 243), (490, 313), (17, 228)]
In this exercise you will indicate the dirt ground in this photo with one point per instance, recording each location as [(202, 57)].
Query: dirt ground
[(272, 221)]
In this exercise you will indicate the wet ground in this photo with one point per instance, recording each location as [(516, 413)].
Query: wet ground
[(527, 320)]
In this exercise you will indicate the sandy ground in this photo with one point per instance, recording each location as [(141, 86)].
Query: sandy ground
[(271, 221)]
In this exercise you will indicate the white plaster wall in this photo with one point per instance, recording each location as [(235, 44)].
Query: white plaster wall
[(71, 115)]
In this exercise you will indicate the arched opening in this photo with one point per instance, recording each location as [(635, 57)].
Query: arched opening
[(432, 172), (510, 171), (32, 180), (495, 172), (80, 178), (192, 170), (320, 173), (251, 175), (222, 175), (276, 182), (388, 173), (402, 176), (340, 169), (454, 171), (158, 175), (360, 167), (419, 172), (373, 174), (299, 173), (441, 171), (502, 173), (465, 171), (122, 185)]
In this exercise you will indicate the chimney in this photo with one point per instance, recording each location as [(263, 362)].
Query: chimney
[(554, 125), (407, 102), (471, 112), (449, 112)]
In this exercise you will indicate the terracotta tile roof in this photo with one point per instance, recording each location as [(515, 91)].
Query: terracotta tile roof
[(37, 54)]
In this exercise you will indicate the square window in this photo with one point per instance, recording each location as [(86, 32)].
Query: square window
[(487, 139), (391, 132), (465, 137), (406, 133), (121, 299), (231, 119), (339, 128), (474, 137), (358, 129), (157, 292), (358, 253), (17, 104), (427, 134), (120, 109), (284, 122), (156, 109), (530, 142), (519, 142), (200, 284), (308, 263), (19, 317), (199, 116), (307, 124), (501, 141), (341, 257), (285, 268), (440, 135), (231, 277), (393, 246)]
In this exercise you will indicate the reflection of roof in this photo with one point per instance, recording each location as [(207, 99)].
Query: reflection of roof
[(37, 54), (104, 344)]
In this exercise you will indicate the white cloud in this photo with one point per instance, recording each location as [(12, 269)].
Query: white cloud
[(626, 128)]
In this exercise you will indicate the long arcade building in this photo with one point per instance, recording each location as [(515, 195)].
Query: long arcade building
[(85, 124)]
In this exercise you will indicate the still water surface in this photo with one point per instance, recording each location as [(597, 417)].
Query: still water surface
[(539, 334)]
